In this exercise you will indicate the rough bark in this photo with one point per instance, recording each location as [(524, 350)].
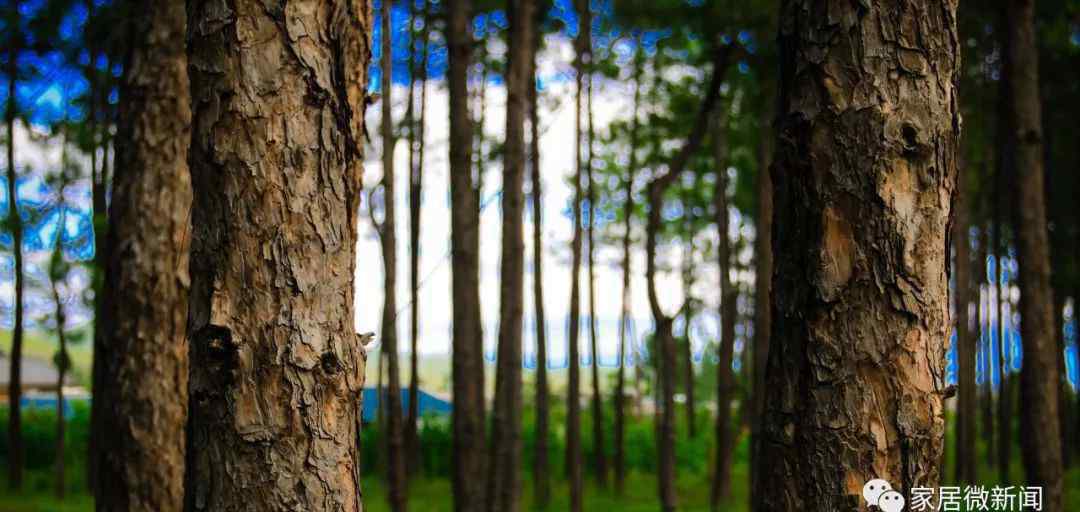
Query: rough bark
[(504, 481), (396, 457), (624, 316), (14, 221), (725, 378), (276, 154), (1039, 427), (763, 263), (541, 470), (144, 371), (663, 336), (864, 176), (965, 345), (468, 357)]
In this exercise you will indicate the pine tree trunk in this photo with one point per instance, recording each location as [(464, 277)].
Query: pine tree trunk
[(625, 312), (541, 469), (965, 344), (62, 360), (395, 435), (144, 371), (865, 172), (504, 481), (599, 446), (14, 220), (277, 369), (663, 336), (1040, 435), (573, 387), (468, 343), (987, 340), (688, 316), (417, 133), (725, 379), (763, 258)]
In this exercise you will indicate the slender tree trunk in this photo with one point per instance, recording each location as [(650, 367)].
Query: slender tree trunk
[(688, 316), (1004, 180), (15, 440), (573, 387), (598, 428), (541, 471), (965, 343), (277, 369), (416, 196), (396, 457), (987, 341), (504, 481), (725, 379), (664, 339), (62, 359), (1039, 388), (624, 318), (468, 343), (763, 287), (865, 172), (144, 370)]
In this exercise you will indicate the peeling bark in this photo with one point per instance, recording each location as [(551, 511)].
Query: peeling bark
[(864, 178), (277, 368)]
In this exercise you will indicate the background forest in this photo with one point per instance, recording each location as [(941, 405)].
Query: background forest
[(565, 248)]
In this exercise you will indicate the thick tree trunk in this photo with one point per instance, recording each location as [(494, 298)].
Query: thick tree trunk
[(1039, 387), (663, 336), (541, 471), (965, 344), (763, 287), (504, 481), (14, 220), (395, 435), (725, 379), (625, 312), (865, 173), (144, 371), (573, 388), (277, 369), (468, 342)]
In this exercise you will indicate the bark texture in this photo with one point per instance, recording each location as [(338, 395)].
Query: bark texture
[(864, 178), (504, 480), (144, 372), (725, 377), (1039, 424), (468, 357), (277, 368)]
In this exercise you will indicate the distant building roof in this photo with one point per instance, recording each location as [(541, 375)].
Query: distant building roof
[(428, 403), (36, 374)]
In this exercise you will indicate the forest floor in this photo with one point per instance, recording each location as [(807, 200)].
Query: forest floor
[(432, 495)]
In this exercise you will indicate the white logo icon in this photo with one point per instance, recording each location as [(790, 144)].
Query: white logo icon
[(873, 490), (891, 501)]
